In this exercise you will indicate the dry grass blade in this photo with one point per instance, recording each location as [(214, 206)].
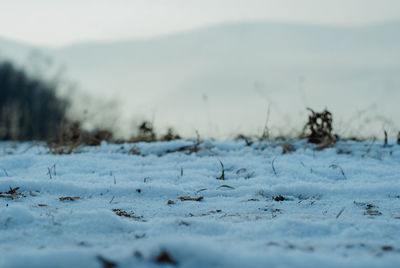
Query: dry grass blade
[(225, 186), (222, 177), (273, 167), (201, 190), (188, 198), (13, 190), (340, 213), (69, 198)]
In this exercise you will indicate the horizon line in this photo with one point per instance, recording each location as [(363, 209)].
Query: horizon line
[(44, 45)]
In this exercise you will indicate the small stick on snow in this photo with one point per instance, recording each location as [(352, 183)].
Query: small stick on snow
[(49, 172), (188, 198), (273, 167), (222, 177), (385, 143), (340, 213)]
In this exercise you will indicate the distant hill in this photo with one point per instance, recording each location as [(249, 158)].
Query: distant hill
[(221, 79)]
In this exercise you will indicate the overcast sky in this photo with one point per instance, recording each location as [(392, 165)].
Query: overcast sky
[(61, 22)]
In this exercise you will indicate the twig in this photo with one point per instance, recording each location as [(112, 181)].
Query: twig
[(222, 177), (340, 213), (385, 142), (273, 166)]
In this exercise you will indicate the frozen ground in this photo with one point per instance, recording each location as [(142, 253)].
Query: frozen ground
[(333, 208)]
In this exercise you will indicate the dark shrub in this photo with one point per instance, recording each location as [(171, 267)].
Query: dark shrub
[(319, 127)]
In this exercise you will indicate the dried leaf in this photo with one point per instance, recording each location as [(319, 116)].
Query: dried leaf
[(188, 198), (69, 198), (372, 212)]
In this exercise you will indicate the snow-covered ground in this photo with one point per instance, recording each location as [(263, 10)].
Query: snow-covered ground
[(332, 208)]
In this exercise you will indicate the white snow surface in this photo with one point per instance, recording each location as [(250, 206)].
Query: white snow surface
[(340, 208)]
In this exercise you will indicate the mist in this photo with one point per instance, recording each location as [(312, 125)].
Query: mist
[(239, 78)]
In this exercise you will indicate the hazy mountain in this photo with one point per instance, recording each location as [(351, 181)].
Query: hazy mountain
[(222, 79)]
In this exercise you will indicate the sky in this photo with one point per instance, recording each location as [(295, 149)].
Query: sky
[(63, 22)]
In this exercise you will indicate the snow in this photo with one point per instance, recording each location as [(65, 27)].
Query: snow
[(341, 206)]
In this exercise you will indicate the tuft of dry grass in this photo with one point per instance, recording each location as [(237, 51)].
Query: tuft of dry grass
[(11, 194), (72, 135), (170, 135), (319, 128)]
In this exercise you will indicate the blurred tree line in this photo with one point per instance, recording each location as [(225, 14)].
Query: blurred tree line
[(29, 107)]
